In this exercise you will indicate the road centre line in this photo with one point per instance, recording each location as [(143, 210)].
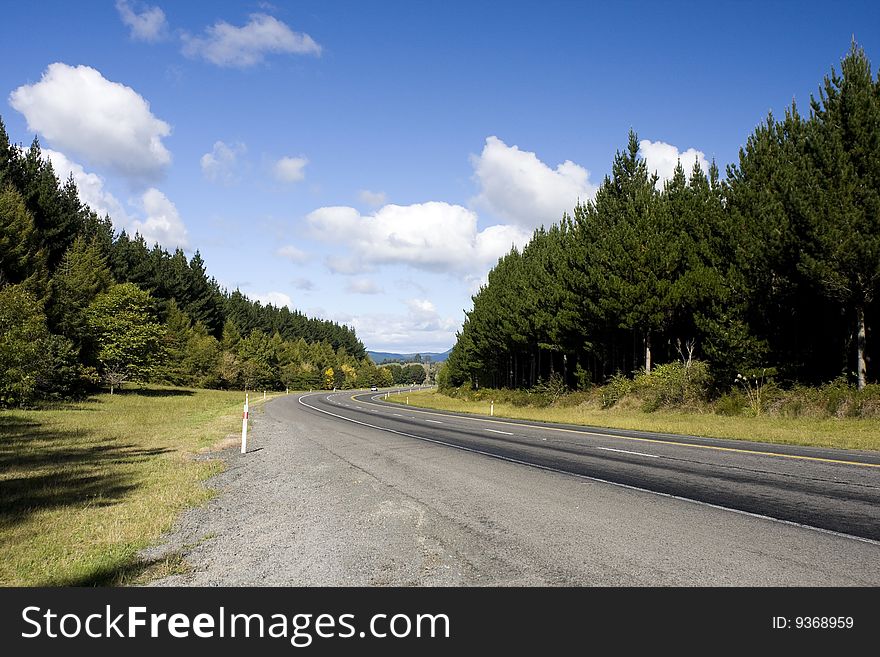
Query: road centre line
[(546, 468), (506, 433)]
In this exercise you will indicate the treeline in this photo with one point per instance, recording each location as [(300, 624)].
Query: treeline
[(82, 305), (775, 269)]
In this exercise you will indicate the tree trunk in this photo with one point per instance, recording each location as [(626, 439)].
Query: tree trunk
[(861, 364), (648, 352)]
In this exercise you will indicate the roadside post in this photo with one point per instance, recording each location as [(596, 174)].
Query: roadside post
[(244, 420), (492, 408)]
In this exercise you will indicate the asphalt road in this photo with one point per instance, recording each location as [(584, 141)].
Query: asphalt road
[(336, 491), (832, 490)]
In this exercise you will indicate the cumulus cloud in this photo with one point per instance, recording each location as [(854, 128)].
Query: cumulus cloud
[(363, 286), (293, 254), (105, 123), (421, 328), (372, 199), (90, 186), (220, 164), (163, 223), (662, 159), (147, 25), (290, 169), (520, 188), (433, 236), (277, 299), (241, 47)]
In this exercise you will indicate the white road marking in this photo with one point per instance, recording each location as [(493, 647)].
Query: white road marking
[(506, 433), (546, 468), (434, 421), (397, 414), (626, 451)]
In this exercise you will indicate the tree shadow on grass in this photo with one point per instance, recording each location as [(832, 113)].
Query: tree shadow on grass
[(132, 572), (154, 392), (45, 468)]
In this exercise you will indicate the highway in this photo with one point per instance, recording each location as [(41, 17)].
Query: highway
[(345, 489), (828, 490)]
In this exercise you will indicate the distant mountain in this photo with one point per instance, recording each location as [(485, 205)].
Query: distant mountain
[(380, 357)]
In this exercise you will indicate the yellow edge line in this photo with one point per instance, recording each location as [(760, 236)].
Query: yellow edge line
[(644, 440)]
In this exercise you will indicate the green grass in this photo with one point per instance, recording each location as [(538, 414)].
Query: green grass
[(84, 487), (842, 433)]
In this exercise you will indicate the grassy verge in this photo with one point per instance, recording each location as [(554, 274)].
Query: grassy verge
[(84, 487), (843, 433)]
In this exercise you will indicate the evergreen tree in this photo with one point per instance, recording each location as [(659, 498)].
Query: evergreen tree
[(843, 144), (82, 274)]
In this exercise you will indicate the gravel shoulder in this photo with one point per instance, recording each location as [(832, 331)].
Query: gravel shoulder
[(320, 502)]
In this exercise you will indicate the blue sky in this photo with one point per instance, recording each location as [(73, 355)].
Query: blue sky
[(367, 162)]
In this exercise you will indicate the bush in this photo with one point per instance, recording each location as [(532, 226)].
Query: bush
[(731, 403), (552, 389), (672, 385), (618, 387)]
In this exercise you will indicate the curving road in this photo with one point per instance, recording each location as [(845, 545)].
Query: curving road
[(344, 489), (828, 490)]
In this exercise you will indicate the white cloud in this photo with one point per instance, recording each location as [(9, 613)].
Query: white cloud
[(103, 122), (520, 188), (220, 164), (421, 328), (363, 286), (90, 187), (277, 299), (148, 25), (662, 158), (293, 254), (433, 236), (290, 169), (162, 223), (240, 47), (372, 199)]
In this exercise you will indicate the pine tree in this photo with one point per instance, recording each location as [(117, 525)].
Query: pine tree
[(843, 144), (82, 274)]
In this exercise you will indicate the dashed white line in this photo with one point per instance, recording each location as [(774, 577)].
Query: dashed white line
[(506, 433), (626, 451), (434, 421), (546, 468)]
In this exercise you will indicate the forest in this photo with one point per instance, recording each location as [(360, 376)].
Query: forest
[(83, 306), (772, 271)]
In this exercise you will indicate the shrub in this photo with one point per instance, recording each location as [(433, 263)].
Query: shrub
[(674, 384), (618, 387), (731, 403)]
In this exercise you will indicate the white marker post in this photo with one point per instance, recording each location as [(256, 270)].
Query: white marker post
[(492, 408), (244, 419)]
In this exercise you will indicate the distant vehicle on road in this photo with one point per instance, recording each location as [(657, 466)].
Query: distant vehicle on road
[(373, 388)]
